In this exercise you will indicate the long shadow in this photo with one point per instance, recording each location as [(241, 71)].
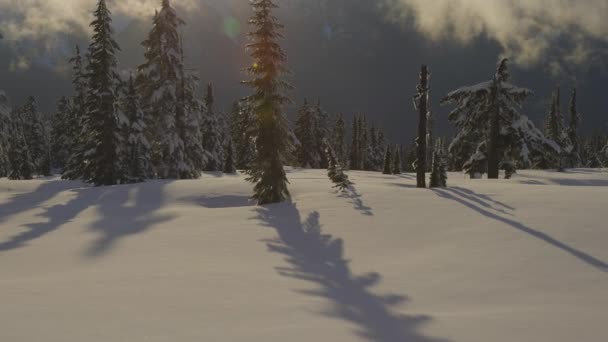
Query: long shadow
[(120, 219), (31, 200), (356, 200), (450, 194), (57, 216), (318, 258), (220, 201)]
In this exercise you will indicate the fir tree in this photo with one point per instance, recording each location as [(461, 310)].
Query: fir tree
[(421, 104), (5, 131), (364, 144), (77, 130), (339, 146), (388, 161), (321, 133), (229, 166), (575, 119), (60, 139), (273, 133), (438, 170), (22, 166), (485, 116), (212, 133), (305, 133), (430, 125), (36, 136), (354, 146), (244, 133), (137, 152), (554, 130), (397, 161), (104, 139), (335, 172)]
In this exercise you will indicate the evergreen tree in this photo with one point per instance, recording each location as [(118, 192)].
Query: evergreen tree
[(244, 133), (397, 161), (354, 146), (305, 133), (273, 133), (421, 104), (22, 166), (364, 144), (5, 137), (212, 133), (335, 172), (439, 175), (36, 136), (136, 159), (485, 116), (380, 150), (60, 140), (430, 125), (229, 166), (554, 130), (339, 146), (388, 161), (103, 131), (78, 132), (575, 119)]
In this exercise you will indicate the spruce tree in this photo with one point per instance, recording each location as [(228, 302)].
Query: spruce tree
[(305, 133), (321, 134), (397, 161), (335, 171), (268, 98), (244, 130), (36, 136), (338, 139), (229, 166), (354, 146), (388, 161), (430, 126), (421, 104), (212, 133), (22, 166), (489, 124), (104, 139), (573, 137), (136, 158), (554, 130), (364, 144), (438, 170), (5, 130), (60, 139), (78, 132)]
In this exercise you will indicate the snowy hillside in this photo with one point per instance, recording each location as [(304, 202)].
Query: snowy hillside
[(507, 260)]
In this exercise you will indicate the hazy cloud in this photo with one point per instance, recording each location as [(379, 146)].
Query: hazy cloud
[(529, 31)]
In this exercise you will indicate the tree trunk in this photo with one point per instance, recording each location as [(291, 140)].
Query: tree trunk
[(492, 156), (422, 129)]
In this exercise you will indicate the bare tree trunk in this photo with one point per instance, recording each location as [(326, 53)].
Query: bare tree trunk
[(422, 98)]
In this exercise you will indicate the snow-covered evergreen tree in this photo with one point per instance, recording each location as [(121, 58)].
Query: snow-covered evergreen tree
[(136, 158), (439, 176), (339, 145), (485, 114), (335, 171), (244, 133), (430, 126), (397, 161), (380, 150), (554, 130), (354, 146), (36, 136), (212, 133), (321, 134), (5, 130), (574, 157), (229, 165), (273, 138), (78, 132), (388, 161), (102, 151), (22, 166), (421, 104), (60, 139), (305, 132)]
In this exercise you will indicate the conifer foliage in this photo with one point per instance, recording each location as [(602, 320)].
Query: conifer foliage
[(421, 104), (268, 98), (335, 171), (136, 155), (388, 161), (439, 176)]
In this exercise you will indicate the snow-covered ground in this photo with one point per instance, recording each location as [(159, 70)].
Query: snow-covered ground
[(488, 261)]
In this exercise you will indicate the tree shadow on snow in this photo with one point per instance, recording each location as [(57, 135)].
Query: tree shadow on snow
[(318, 258), (220, 201), (56, 216), (356, 200), (23, 202), (456, 194), (120, 217)]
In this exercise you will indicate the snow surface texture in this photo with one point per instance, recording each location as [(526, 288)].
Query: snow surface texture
[(501, 260)]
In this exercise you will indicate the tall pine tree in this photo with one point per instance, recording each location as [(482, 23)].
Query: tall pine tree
[(136, 160), (338, 139), (421, 104), (273, 141), (574, 157), (212, 133)]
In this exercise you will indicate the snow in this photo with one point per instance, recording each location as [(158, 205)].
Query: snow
[(483, 260)]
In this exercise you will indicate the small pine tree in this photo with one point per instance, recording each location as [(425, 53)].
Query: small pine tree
[(22, 166), (354, 146), (335, 172), (338, 135), (439, 175), (397, 161), (388, 162), (60, 140), (575, 119), (229, 166), (421, 104)]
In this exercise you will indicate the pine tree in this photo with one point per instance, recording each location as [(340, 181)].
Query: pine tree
[(354, 146), (335, 172), (229, 166), (430, 125), (78, 132), (364, 144), (421, 104), (22, 166), (338, 142), (321, 134), (397, 161), (212, 133), (485, 116), (5, 131), (36, 136), (388, 161), (273, 133), (575, 119), (136, 158), (60, 140), (438, 170), (244, 133), (305, 133), (554, 130)]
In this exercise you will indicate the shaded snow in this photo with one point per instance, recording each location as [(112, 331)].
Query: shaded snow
[(484, 260)]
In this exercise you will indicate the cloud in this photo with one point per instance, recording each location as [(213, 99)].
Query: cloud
[(529, 31)]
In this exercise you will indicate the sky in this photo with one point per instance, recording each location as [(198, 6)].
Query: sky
[(355, 56)]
